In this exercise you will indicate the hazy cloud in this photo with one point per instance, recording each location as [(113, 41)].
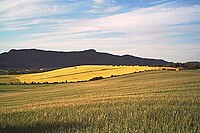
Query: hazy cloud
[(165, 30)]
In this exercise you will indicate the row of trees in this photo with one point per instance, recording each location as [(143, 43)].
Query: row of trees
[(32, 83), (187, 65), (16, 71), (184, 66)]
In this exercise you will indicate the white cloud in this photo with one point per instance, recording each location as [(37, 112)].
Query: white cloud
[(98, 1), (29, 9), (160, 1), (113, 9), (98, 10), (140, 32), (147, 21)]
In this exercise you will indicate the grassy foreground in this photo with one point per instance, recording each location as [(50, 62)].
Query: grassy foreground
[(154, 101)]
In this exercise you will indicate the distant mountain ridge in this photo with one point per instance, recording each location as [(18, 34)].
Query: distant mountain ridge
[(34, 58)]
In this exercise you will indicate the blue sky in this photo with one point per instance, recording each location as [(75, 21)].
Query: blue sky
[(163, 29)]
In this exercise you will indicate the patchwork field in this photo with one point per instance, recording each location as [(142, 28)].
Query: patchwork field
[(153, 101), (78, 73)]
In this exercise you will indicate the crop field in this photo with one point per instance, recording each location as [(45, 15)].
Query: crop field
[(8, 79), (152, 101), (78, 73)]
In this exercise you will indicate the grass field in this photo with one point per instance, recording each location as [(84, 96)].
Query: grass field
[(8, 79), (78, 73), (153, 101)]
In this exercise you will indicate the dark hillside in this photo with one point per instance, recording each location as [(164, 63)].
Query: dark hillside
[(33, 58)]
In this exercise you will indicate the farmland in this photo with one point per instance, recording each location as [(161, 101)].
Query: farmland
[(77, 73), (153, 101)]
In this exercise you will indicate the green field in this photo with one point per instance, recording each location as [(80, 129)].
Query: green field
[(154, 101)]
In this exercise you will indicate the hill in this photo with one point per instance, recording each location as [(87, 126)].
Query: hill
[(33, 58), (77, 73), (154, 101)]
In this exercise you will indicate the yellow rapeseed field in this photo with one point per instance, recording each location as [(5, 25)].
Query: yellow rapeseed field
[(83, 73)]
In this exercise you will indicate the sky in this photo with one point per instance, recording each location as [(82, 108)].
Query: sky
[(163, 29)]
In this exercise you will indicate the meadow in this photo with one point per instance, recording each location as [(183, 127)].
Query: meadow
[(152, 101), (77, 73)]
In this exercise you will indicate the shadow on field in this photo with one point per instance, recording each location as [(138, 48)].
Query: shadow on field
[(6, 91), (45, 127)]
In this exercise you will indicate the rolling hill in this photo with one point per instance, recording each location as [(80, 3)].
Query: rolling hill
[(33, 58), (77, 73), (154, 101)]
